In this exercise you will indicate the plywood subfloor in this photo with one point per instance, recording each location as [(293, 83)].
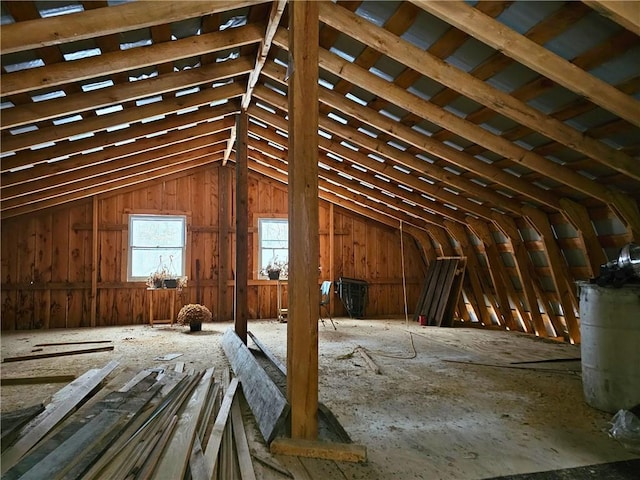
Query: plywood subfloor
[(432, 413)]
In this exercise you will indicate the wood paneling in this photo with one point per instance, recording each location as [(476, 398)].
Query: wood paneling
[(53, 250)]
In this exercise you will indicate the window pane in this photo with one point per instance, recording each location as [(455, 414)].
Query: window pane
[(274, 241), (156, 242), (156, 231), (145, 261)]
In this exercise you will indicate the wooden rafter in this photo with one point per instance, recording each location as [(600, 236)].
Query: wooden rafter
[(122, 61), (277, 9), (387, 170), (79, 180), (80, 102), (128, 116), (105, 21), (543, 61), (134, 176), (435, 68), (46, 174), (625, 13), (105, 139)]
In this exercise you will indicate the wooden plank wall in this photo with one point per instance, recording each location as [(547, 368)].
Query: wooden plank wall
[(46, 258)]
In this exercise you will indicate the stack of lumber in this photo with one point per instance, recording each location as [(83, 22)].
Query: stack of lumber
[(160, 423), (441, 291)]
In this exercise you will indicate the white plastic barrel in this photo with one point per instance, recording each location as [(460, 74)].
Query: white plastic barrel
[(610, 348)]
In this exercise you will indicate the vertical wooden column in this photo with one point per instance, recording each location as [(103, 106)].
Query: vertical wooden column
[(304, 244), (332, 233), (224, 248), (94, 260), (242, 228)]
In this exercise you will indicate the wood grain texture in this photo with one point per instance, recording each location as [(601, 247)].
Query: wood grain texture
[(267, 403), (63, 403), (341, 452)]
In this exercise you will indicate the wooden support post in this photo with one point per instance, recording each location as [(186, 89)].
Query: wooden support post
[(522, 262), (501, 281), (579, 217), (242, 229), (332, 246), (224, 247), (94, 261), (304, 248), (559, 270)]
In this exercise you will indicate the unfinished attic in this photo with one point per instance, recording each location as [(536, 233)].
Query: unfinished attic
[(458, 164)]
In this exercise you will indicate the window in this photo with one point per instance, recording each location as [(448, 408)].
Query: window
[(273, 235), (156, 242)]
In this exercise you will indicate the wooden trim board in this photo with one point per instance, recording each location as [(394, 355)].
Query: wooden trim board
[(341, 452)]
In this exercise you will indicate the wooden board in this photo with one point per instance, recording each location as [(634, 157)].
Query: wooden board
[(175, 460), (57, 354), (12, 422), (342, 452), (268, 404), (69, 397)]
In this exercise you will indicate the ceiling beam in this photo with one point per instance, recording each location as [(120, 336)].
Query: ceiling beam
[(100, 22), (277, 9), (393, 156), (126, 60), (30, 176), (624, 13), (422, 142), (135, 175), (475, 133), (325, 194), (537, 58), (127, 116), (76, 103), (106, 139), (339, 195), (96, 173), (473, 88), (350, 158), (353, 179)]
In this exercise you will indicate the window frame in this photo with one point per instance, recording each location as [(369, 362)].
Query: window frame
[(128, 248), (283, 218)]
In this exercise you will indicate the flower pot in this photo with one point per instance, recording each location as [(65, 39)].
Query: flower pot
[(170, 283), (158, 283), (274, 274), (195, 326)]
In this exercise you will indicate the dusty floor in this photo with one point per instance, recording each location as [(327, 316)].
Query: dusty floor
[(432, 413)]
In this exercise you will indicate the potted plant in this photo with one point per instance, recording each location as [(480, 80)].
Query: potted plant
[(276, 268), (156, 279), (194, 315)]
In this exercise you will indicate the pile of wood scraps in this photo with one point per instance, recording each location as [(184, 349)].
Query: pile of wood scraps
[(158, 423), (441, 291)]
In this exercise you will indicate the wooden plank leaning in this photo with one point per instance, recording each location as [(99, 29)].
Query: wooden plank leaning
[(268, 404), (62, 404)]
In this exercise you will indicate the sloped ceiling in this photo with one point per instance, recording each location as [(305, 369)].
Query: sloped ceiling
[(429, 111)]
